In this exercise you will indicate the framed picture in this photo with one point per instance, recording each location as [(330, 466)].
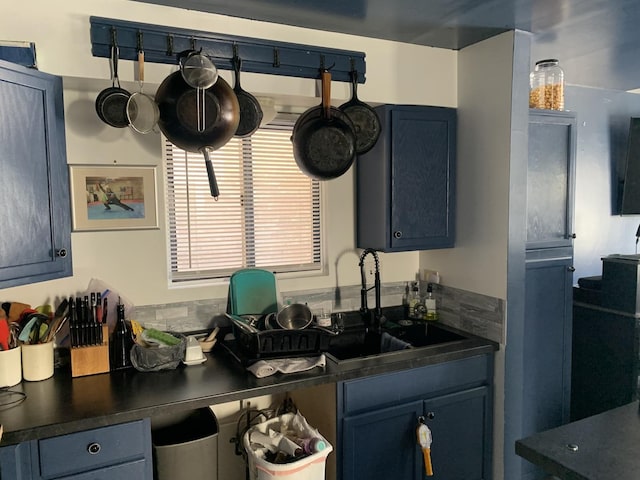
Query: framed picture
[(113, 197)]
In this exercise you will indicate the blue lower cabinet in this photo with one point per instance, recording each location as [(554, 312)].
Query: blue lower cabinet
[(382, 444), (116, 452), (378, 417), (461, 447), (15, 461)]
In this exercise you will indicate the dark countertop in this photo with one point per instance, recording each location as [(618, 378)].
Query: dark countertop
[(607, 447), (63, 404)]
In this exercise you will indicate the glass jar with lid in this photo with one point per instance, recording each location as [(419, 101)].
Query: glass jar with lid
[(547, 85)]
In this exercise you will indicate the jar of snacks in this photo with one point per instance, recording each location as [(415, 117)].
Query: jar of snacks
[(547, 85)]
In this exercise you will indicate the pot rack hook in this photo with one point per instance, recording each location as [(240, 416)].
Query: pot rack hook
[(139, 40), (170, 45), (114, 36), (276, 57), (236, 61), (324, 68)]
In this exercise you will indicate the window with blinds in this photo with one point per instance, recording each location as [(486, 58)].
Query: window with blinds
[(267, 216)]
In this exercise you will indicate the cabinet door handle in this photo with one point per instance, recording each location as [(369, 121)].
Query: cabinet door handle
[(61, 252), (571, 268), (94, 448), (397, 234), (572, 235), (431, 415)]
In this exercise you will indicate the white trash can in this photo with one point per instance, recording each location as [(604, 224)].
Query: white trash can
[(309, 467)]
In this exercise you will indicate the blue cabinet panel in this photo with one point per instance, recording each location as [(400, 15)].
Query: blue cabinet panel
[(461, 433), (35, 212), (378, 417), (382, 444), (406, 183), (82, 451), (550, 179)]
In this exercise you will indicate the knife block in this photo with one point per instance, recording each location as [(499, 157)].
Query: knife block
[(92, 359)]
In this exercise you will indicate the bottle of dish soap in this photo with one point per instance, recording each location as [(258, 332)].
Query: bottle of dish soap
[(414, 300), (430, 303)]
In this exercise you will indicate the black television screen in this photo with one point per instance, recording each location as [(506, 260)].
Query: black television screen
[(630, 204)]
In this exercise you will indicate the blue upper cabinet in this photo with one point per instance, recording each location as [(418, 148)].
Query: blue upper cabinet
[(551, 179), (406, 183), (35, 215)]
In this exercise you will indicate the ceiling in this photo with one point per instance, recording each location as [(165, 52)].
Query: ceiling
[(596, 41)]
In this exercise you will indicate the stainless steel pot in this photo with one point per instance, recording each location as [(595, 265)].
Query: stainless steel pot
[(294, 317)]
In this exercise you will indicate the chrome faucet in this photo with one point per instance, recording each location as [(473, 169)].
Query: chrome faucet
[(375, 318)]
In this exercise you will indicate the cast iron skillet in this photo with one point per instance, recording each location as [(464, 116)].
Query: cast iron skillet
[(178, 104), (250, 110), (365, 119), (324, 143), (111, 103)]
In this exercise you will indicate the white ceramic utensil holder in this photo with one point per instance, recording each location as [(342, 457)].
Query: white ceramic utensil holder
[(10, 367), (37, 361)]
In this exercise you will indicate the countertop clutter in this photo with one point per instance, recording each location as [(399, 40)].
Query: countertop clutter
[(63, 404), (600, 447)]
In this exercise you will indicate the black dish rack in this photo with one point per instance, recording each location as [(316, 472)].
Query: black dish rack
[(279, 343)]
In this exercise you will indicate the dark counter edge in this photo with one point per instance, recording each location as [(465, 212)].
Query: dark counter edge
[(224, 381)]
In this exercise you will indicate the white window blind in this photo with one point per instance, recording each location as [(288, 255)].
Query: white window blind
[(267, 215)]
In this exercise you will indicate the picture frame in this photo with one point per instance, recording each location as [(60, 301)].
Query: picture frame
[(113, 197)]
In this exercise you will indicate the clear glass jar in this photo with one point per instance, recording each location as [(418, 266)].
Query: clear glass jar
[(547, 85)]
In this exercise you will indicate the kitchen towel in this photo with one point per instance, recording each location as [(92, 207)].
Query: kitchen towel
[(264, 368), (389, 343)]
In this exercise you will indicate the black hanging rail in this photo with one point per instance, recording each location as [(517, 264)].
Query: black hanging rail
[(161, 44)]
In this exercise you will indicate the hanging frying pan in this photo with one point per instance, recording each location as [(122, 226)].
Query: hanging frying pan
[(198, 120), (250, 110), (365, 119), (111, 103), (324, 143)]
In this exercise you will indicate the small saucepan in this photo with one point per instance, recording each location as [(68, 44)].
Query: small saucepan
[(294, 317), (111, 103)]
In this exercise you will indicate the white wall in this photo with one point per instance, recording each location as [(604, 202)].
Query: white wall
[(478, 262), (134, 262)]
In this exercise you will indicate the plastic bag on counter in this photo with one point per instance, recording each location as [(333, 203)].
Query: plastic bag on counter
[(153, 359)]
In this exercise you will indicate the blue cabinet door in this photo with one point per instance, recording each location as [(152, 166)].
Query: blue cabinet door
[(35, 215), (460, 425), (381, 445), (546, 346), (15, 462), (550, 179), (406, 183)]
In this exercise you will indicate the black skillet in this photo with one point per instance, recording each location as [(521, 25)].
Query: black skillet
[(111, 103), (250, 110), (324, 142), (182, 112), (365, 119)]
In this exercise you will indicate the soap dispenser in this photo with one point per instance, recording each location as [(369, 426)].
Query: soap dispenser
[(430, 303)]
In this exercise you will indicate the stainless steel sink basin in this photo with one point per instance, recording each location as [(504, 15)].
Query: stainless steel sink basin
[(357, 344)]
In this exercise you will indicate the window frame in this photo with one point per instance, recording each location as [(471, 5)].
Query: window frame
[(315, 268)]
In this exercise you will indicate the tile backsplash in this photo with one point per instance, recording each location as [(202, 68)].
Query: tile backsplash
[(468, 311)]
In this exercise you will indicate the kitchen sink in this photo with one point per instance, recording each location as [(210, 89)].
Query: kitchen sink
[(358, 344)]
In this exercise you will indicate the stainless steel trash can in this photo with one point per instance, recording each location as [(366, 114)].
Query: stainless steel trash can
[(185, 445)]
